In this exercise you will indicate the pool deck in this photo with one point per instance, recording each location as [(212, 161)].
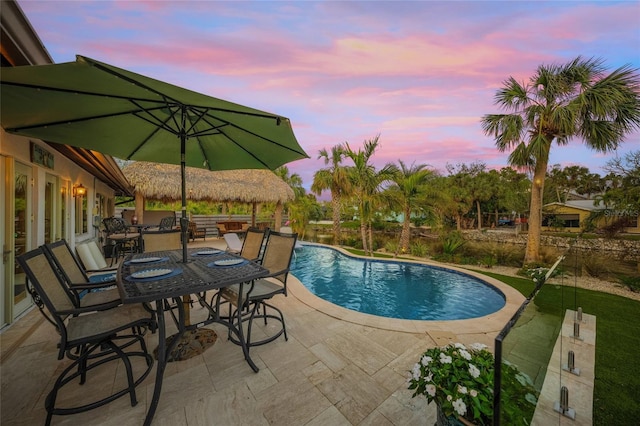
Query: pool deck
[(338, 367)]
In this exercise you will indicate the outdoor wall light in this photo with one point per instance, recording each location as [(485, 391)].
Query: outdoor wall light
[(79, 191)]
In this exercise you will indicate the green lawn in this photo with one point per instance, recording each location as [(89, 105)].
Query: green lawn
[(616, 399)]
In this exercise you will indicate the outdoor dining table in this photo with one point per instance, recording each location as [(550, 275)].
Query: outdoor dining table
[(162, 277)]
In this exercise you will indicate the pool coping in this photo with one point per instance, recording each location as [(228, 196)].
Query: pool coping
[(488, 324)]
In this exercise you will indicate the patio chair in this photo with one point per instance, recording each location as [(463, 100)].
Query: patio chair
[(195, 232), (85, 291), (234, 244), (92, 259), (124, 238), (90, 340), (277, 257), (161, 240), (253, 243), (289, 230), (222, 229), (166, 223)]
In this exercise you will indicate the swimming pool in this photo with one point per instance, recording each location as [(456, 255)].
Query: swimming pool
[(393, 289)]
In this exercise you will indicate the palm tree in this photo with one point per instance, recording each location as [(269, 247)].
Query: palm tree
[(366, 182), (562, 102), (293, 180), (408, 188), (335, 179)]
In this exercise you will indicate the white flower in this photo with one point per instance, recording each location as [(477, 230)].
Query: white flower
[(429, 377), (431, 390), (449, 397), (460, 407), (459, 346), (416, 372), (473, 393), (464, 354), (426, 360), (473, 370), (445, 359), (478, 346), (462, 389)]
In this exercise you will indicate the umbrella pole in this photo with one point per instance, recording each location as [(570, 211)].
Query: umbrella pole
[(186, 300), (183, 174)]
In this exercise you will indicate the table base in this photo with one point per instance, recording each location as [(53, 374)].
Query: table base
[(192, 343)]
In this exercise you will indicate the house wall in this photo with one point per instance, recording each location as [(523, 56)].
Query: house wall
[(584, 214)]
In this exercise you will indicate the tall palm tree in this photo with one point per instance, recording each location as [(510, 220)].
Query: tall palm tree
[(407, 190), (335, 179), (562, 102), (366, 182)]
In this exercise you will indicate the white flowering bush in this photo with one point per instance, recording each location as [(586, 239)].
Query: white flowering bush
[(458, 379), (538, 274)]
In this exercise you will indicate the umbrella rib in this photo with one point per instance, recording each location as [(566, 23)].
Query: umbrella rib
[(212, 127), (157, 121), (75, 91), (140, 84), (77, 120)]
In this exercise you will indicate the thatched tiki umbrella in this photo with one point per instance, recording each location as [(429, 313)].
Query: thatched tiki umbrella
[(162, 182)]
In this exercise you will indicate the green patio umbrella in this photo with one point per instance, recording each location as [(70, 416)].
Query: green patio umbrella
[(93, 105)]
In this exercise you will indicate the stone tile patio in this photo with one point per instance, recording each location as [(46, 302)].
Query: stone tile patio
[(337, 368)]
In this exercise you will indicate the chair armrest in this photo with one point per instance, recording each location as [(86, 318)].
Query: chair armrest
[(89, 286), (275, 274), (105, 270), (93, 308)]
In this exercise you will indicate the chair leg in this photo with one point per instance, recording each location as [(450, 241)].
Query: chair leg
[(253, 315), (115, 352)]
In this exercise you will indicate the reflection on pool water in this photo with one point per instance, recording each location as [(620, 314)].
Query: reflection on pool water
[(393, 289)]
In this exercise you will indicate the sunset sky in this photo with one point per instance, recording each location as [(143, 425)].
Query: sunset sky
[(421, 74)]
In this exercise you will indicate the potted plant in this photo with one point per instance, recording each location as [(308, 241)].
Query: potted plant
[(460, 381)]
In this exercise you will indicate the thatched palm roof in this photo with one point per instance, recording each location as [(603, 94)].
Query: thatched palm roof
[(162, 182)]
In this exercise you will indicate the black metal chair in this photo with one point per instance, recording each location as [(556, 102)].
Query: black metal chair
[(166, 223), (84, 291), (277, 257), (89, 340), (122, 237)]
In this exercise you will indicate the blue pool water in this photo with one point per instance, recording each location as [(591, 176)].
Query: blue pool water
[(393, 289)]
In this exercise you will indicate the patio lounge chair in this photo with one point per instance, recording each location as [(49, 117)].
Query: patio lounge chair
[(277, 257), (234, 244), (90, 340)]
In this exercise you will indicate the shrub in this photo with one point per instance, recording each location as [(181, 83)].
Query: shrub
[(596, 266), (452, 243), (632, 283), (419, 249), (391, 246)]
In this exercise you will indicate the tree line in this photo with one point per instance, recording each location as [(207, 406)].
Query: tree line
[(559, 103)]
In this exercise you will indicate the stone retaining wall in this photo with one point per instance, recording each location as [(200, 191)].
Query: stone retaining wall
[(629, 248)]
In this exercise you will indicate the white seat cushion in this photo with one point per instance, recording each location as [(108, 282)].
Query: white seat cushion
[(87, 258), (97, 255)]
